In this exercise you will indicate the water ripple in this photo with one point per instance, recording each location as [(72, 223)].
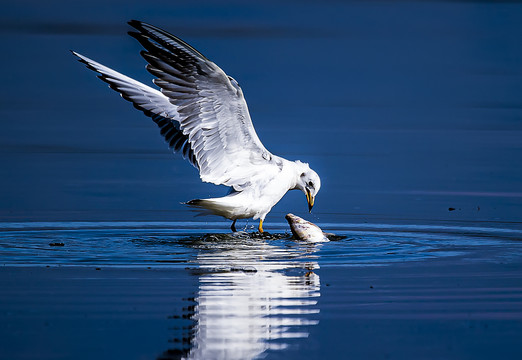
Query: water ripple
[(137, 244)]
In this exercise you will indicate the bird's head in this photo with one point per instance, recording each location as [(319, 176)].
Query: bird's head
[(308, 182)]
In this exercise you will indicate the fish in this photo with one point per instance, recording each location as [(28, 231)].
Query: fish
[(305, 230)]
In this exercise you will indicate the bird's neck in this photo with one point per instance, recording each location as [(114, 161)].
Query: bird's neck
[(296, 172)]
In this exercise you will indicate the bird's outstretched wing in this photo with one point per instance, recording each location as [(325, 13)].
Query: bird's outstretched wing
[(151, 101), (211, 109)]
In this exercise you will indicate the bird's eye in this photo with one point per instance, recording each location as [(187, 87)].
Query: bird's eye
[(303, 174), (311, 184)]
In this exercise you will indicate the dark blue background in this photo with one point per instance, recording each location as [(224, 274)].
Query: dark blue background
[(404, 108)]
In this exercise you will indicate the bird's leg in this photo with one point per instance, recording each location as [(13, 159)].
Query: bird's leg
[(233, 227), (261, 225)]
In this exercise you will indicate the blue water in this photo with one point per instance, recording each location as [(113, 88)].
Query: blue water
[(176, 245), (201, 289), (409, 111)]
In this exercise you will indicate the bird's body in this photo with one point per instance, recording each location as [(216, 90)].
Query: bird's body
[(253, 202), (202, 114)]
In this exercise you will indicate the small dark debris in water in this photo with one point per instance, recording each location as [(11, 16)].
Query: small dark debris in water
[(333, 237), (371, 286), (327, 284), (173, 317), (240, 235), (478, 208), (246, 269), (224, 269), (48, 266), (148, 267), (451, 209), (56, 244), (263, 235), (98, 269)]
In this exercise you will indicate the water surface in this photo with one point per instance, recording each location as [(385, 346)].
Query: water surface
[(221, 295)]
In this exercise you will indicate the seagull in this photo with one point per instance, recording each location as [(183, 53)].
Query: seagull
[(202, 114)]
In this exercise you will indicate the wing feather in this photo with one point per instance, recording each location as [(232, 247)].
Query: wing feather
[(201, 111), (212, 110), (148, 100)]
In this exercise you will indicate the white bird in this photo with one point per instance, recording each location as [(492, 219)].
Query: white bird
[(202, 114)]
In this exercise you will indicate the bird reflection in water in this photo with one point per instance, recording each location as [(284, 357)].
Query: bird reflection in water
[(254, 296)]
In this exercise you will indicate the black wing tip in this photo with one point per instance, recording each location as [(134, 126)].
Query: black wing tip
[(135, 23), (99, 75), (143, 29), (81, 59), (195, 202), (141, 25), (136, 35), (85, 62), (150, 31), (78, 56)]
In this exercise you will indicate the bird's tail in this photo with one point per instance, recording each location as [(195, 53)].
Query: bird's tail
[(214, 206), (199, 206)]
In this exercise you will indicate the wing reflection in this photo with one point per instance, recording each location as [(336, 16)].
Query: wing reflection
[(252, 297)]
